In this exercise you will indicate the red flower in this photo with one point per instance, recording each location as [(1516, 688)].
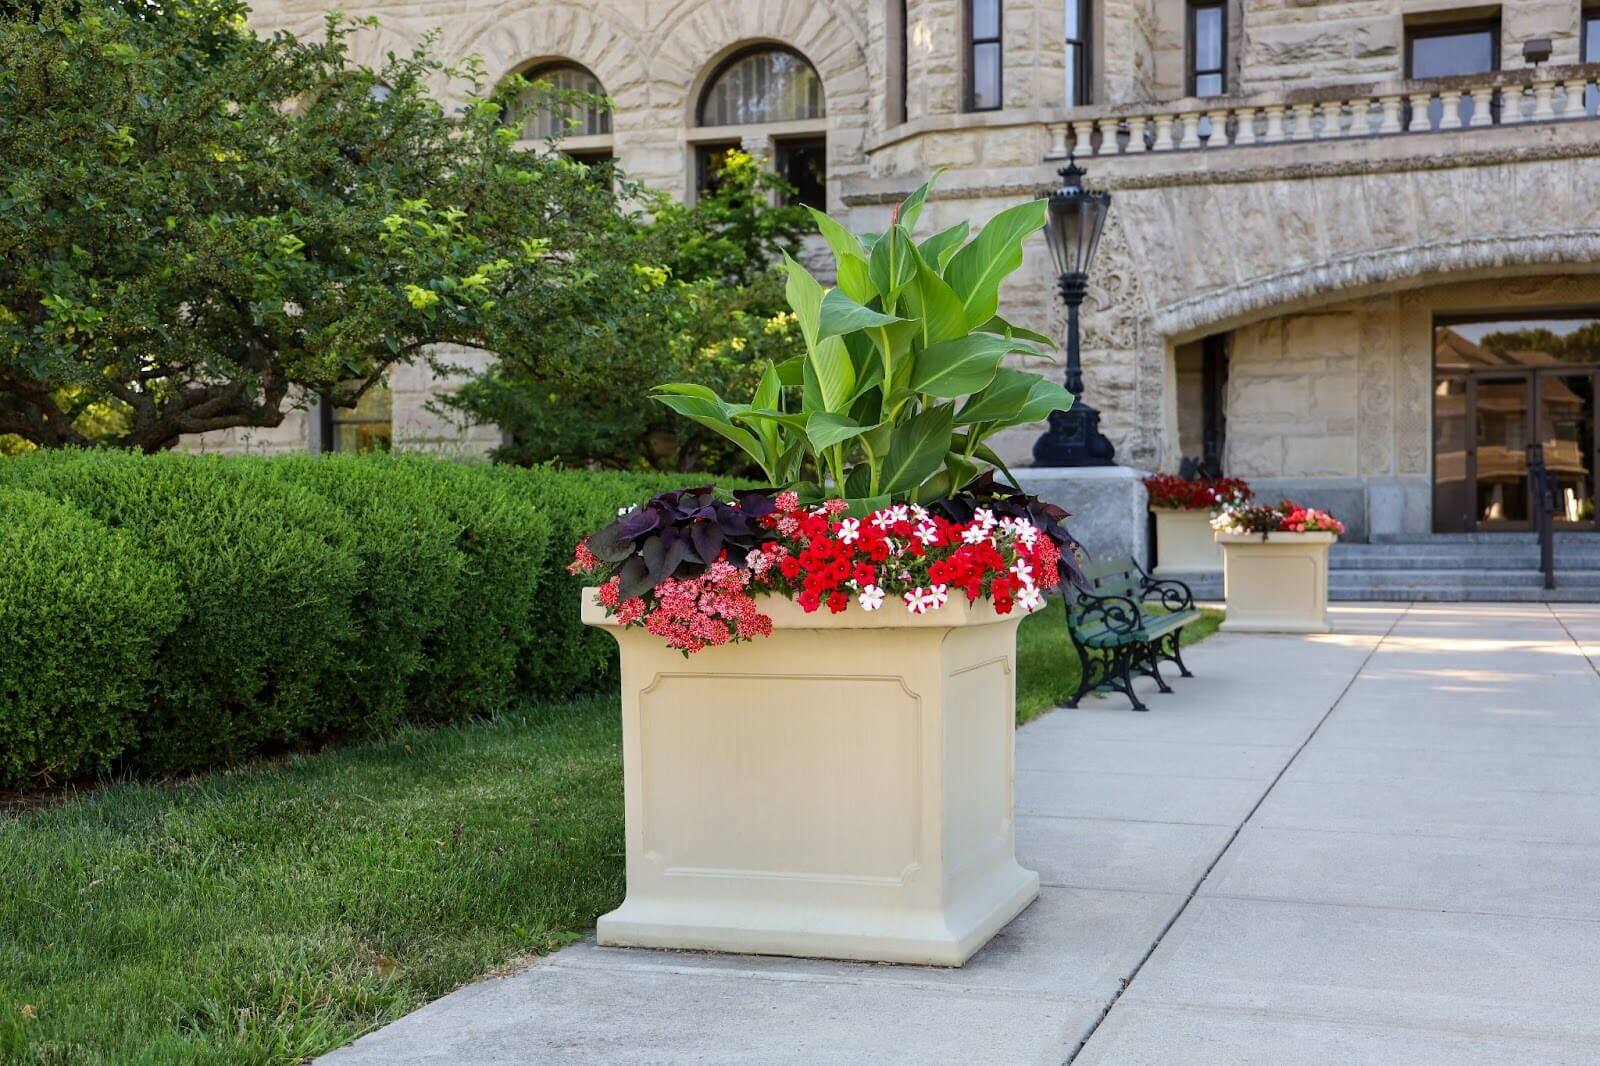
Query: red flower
[(790, 567), (838, 601)]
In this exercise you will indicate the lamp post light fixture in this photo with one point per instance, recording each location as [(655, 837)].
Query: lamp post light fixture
[(1076, 218)]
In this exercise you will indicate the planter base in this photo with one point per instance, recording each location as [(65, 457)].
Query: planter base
[(947, 938), (840, 789)]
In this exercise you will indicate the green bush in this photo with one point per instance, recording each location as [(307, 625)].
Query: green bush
[(269, 576), (82, 613), (306, 599), (411, 578)]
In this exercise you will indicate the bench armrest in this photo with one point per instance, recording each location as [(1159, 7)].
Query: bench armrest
[(1172, 595), (1119, 614)]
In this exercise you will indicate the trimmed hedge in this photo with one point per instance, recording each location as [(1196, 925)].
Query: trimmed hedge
[(208, 609), (82, 613)]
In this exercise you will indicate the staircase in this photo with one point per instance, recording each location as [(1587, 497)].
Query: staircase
[(1501, 567)]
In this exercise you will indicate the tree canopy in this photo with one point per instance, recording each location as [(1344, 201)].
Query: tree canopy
[(201, 227)]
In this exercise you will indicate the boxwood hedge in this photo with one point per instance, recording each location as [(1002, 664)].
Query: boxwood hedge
[(198, 610)]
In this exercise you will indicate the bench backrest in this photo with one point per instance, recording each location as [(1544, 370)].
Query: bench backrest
[(1113, 577)]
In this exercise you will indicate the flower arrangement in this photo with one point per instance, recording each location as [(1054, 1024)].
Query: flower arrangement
[(687, 567), (1203, 494), (1284, 517)]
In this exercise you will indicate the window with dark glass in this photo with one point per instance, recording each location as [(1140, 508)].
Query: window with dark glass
[(709, 161), (803, 163), (540, 117), (366, 427), (984, 66), (1440, 50), (899, 61), (1077, 56), (1590, 53), (1208, 48)]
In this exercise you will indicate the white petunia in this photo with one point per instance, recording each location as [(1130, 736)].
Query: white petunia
[(938, 596), (917, 601), (986, 517), (974, 535), (1023, 572), (1030, 599), (900, 512), (882, 519), (919, 512), (1027, 534), (927, 532), (849, 531), (871, 598)]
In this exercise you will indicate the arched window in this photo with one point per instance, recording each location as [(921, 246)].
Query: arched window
[(769, 85), (762, 87), (540, 118)]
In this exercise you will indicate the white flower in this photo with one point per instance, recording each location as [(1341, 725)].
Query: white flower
[(871, 598), (1011, 525), (985, 516), (938, 596), (917, 601), (974, 535), (882, 519), (1023, 571), (849, 531), (1027, 533), (1030, 599), (919, 512), (624, 510), (900, 513), (927, 532)]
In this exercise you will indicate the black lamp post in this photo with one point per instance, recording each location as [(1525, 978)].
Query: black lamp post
[(1077, 215)]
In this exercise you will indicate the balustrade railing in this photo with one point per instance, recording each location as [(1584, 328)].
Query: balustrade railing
[(1553, 94)]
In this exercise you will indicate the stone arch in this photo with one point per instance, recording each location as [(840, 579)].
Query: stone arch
[(527, 37), (1381, 270)]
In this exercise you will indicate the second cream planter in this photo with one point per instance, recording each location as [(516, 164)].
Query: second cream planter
[(1184, 543), (841, 789), (1277, 583)]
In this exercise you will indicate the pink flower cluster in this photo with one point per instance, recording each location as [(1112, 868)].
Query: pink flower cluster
[(695, 612)]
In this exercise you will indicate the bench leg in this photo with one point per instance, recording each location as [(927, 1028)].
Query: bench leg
[(1152, 656), (1177, 652), (1126, 662)]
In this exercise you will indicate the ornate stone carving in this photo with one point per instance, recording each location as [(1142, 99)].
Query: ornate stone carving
[(1375, 372)]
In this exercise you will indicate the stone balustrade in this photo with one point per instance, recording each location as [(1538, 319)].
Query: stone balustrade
[(1534, 95)]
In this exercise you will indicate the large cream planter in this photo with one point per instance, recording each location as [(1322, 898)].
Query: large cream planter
[(840, 789), (1184, 543), (1277, 583)]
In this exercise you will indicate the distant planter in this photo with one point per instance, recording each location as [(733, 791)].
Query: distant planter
[(1184, 543), (1276, 582), (841, 788)]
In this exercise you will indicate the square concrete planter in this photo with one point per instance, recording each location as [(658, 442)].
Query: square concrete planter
[(1184, 543), (840, 789), (1277, 583)]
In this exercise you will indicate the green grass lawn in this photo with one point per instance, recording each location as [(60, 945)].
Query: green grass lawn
[(276, 912)]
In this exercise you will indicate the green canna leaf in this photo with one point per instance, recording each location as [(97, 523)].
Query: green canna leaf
[(917, 449), (1001, 401), (938, 249), (976, 271), (959, 367), (840, 314)]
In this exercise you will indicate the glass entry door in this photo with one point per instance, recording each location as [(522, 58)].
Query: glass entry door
[(1483, 423), (1500, 384)]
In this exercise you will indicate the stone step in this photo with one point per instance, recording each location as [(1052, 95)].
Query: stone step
[(1512, 563)]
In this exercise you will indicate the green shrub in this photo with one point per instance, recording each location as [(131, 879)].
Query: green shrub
[(306, 598), (411, 574), (82, 613), (268, 575)]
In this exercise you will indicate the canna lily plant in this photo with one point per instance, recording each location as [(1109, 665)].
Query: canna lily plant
[(903, 376)]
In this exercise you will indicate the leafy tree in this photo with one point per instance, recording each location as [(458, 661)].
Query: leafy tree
[(708, 307), (200, 227)]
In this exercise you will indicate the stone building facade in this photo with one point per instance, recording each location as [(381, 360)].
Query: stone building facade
[(1312, 200)]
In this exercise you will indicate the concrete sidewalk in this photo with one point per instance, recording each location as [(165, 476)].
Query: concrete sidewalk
[(1377, 846)]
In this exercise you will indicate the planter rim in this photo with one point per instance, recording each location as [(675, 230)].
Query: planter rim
[(1318, 537), (787, 614), (1182, 510)]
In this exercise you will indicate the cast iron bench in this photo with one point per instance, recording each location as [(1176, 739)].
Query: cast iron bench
[(1122, 621)]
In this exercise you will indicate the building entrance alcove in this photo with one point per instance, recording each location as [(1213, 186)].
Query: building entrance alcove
[(1501, 384)]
